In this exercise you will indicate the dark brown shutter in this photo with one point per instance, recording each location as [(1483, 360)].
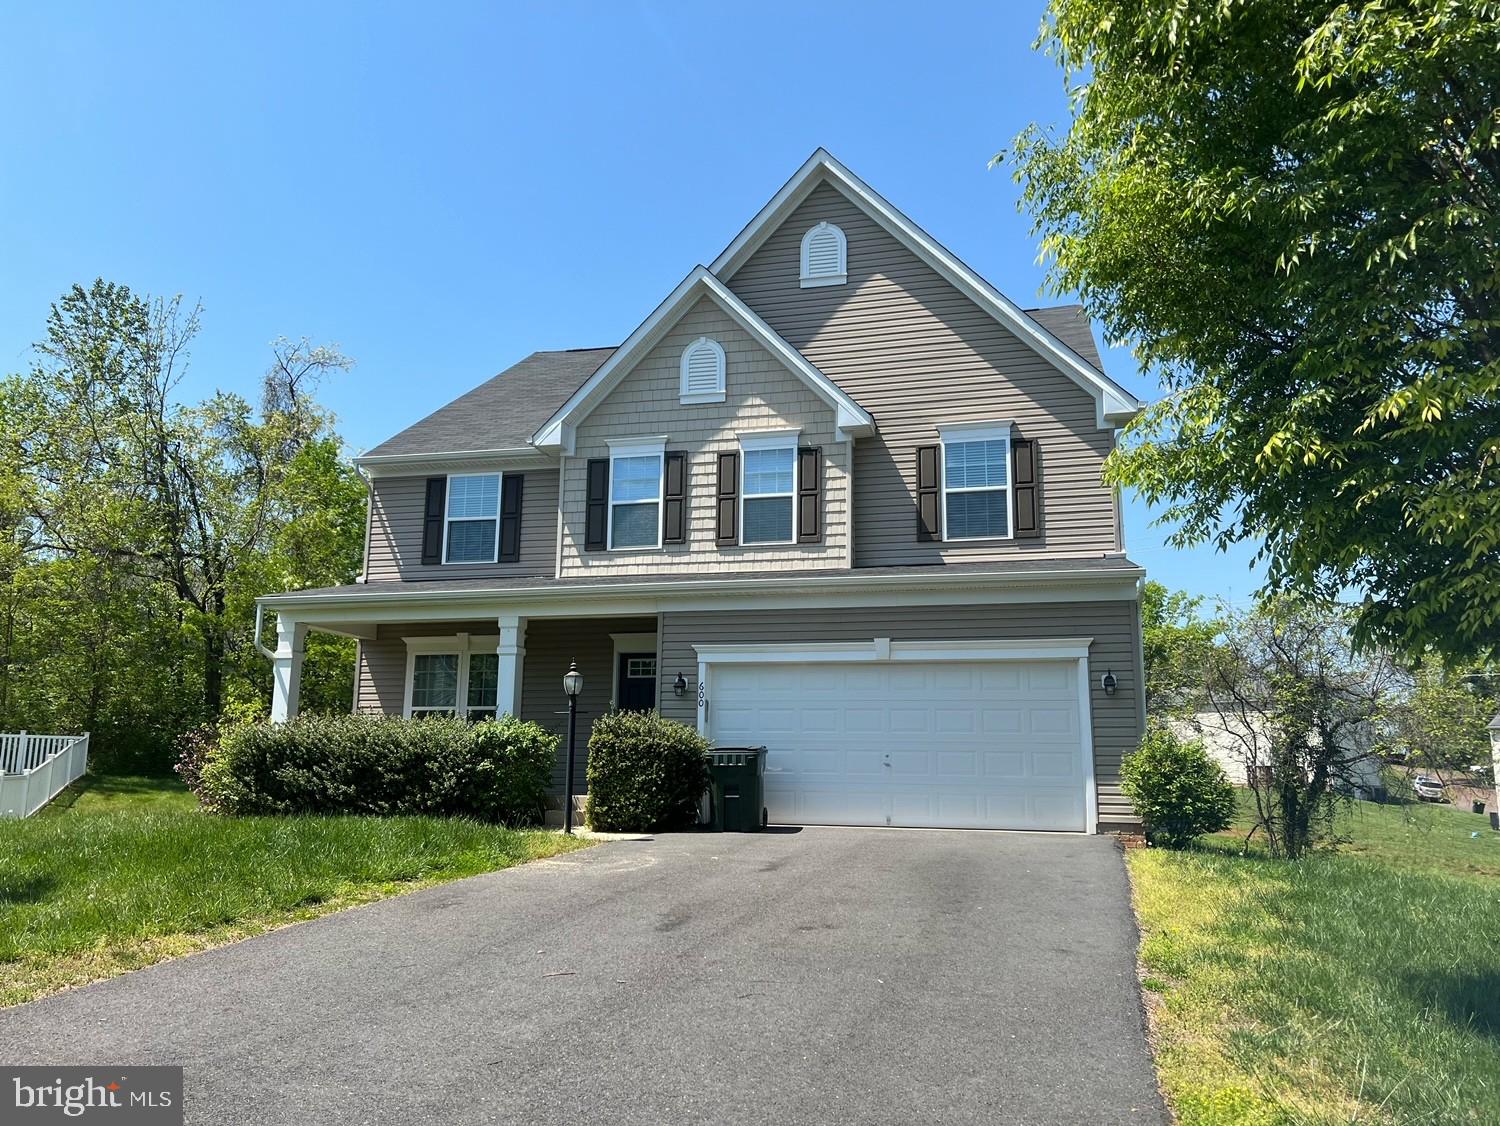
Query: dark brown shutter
[(674, 499), (728, 520), (809, 495), (928, 523), (596, 510), (432, 520), (1028, 498), (510, 517)]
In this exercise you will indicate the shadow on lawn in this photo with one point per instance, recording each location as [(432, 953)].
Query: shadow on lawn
[(1469, 1000), (16, 890)]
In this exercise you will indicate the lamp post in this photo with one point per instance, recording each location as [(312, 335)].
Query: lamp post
[(572, 685)]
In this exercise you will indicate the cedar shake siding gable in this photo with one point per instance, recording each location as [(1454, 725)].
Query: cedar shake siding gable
[(761, 394), (917, 353)]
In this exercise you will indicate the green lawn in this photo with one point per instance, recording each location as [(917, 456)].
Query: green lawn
[(121, 872), (1359, 986)]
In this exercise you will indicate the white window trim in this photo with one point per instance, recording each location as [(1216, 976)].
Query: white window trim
[(768, 440), (810, 280), (447, 496), (687, 397), (637, 447), (958, 433), (463, 645)]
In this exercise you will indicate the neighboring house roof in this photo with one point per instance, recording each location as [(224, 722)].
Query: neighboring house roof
[(853, 419), (502, 413), (1094, 567), (1115, 404)]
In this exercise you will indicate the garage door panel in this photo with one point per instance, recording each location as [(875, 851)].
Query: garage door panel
[(948, 744)]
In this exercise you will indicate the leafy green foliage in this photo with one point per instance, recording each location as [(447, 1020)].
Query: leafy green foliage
[(1301, 702), (495, 771), (646, 773), (137, 530), (1178, 790), (1178, 647), (1441, 720), (1292, 212)]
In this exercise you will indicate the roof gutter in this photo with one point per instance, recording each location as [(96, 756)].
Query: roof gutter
[(803, 584)]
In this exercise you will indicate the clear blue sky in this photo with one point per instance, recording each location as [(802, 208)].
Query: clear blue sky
[(442, 189)]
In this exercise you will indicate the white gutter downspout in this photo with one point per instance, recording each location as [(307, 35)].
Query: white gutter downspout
[(364, 563)]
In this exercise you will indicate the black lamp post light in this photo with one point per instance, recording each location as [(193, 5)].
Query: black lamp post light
[(572, 685)]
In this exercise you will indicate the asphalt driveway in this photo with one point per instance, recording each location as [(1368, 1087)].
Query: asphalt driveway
[(822, 975)]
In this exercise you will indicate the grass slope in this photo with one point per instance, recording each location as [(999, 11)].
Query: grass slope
[(122, 872), (1359, 986)]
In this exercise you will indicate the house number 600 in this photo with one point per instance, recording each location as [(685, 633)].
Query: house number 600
[(702, 694)]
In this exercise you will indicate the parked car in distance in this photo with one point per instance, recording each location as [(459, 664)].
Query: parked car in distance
[(1428, 788)]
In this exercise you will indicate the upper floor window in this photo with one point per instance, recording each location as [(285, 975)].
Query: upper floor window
[(703, 372), (825, 256), (635, 472), (976, 481), (769, 488), (471, 528)]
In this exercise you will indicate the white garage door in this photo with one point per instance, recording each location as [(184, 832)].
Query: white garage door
[(982, 744)]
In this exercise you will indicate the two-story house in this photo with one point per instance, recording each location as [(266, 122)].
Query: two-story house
[(836, 496)]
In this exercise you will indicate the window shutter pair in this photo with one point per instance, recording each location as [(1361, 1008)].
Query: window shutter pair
[(808, 500), (511, 485), (1025, 491), (673, 500)]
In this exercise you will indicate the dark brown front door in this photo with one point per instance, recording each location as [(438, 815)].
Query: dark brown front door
[(637, 682)]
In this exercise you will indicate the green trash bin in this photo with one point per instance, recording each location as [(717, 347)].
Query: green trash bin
[(737, 783)]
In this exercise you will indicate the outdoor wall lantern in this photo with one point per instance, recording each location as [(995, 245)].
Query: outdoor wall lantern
[(572, 685), (1109, 683), (679, 686)]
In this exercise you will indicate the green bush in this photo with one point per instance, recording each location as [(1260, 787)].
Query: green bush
[(1178, 790), (646, 773), (495, 771)]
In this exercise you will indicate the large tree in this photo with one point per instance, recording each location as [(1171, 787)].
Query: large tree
[(140, 527), (1291, 210)]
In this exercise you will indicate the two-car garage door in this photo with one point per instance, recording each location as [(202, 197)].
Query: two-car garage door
[(956, 744)]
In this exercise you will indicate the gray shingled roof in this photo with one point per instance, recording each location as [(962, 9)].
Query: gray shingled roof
[(1070, 324), (504, 412)]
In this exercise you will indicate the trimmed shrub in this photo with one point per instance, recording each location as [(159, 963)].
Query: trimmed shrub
[(193, 748), (646, 773), (494, 771), (1178, 790)]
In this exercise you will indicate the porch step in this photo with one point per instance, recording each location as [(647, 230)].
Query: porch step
[(553, 818)]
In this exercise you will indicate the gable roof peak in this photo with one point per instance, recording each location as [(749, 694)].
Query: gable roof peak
[(1114, 404)]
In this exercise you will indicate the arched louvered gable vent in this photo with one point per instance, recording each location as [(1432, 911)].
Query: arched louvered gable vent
[(825, 256), (703, 372)]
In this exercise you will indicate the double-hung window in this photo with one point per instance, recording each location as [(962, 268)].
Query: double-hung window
[(976, 481), (768, 488), (635, 472), (453, 676), (471, 529)]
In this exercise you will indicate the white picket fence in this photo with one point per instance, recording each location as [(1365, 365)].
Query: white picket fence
[(35, 768)]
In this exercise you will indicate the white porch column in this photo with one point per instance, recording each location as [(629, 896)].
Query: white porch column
[(512, 651), (286, 669)]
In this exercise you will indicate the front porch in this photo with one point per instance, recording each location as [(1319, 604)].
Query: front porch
[(481, 668)]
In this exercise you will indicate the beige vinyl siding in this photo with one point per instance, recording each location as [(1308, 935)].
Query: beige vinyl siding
[(551, 644), (761, 394), (1117, 721), (397, 508), (916, 353)]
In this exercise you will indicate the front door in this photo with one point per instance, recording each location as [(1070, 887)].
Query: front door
[(637, 682)]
